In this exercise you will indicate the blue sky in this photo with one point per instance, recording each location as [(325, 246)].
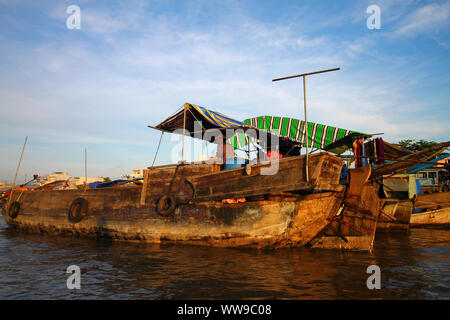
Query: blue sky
[(133, 63)]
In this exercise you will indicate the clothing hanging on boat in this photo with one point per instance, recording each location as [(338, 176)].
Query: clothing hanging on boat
[(375, 151), (357, 151), (381, 150), (369, 151), (364, 161)]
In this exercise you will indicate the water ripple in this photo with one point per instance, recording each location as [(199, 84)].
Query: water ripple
[(413, 266)]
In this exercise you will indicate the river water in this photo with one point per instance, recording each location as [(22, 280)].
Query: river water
[(413, 266)]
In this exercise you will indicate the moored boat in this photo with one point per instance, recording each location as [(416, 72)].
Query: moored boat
[(293, 200), (439, 218), (431, 210), (187, 202), (395, 215), (354, 227), (116, 213)]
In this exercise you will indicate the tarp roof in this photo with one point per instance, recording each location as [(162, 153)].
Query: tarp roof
[(190, 113), (291, 132), (210, 119), (424, 166), (320, 136), (393, 151)]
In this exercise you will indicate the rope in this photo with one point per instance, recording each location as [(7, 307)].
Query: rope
[(339, 219), (157, 149)]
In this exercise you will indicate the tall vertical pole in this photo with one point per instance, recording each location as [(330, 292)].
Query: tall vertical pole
[(306, 128), (304, 101), (17, 170), (85, 166), (184, 132)]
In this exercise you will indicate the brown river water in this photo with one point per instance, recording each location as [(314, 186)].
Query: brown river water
[(413, 266)]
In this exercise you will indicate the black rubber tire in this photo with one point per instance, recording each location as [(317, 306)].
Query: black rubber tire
[(166, 206), (191, 186), (14, 209), (78, 210)]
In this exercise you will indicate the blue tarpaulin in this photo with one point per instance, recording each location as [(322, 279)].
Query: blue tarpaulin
[(99, 185), (427, 165)]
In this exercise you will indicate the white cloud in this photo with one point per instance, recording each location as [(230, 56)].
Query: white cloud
[(103, 88), (431, 17)]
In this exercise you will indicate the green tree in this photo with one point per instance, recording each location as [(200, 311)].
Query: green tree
[(107, 179), (415, 146)]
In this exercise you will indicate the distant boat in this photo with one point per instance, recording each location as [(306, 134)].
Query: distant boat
[(431, 210), (439, 218), (101, 185)]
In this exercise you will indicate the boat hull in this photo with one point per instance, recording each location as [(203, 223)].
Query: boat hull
[(116, 213), (395, 215), (439, 218), (354, 228)]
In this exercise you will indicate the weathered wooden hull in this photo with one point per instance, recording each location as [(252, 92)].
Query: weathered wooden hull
[(439, 218), (116, 213), (435, 200), (280, 210), (437, 214), (395, 215), (354, 228), (207, 183)]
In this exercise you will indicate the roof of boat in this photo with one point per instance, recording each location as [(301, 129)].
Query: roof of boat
[(320, 136), (189, 113), (197, 120)]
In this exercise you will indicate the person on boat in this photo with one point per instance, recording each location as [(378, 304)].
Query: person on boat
[(225, 151)]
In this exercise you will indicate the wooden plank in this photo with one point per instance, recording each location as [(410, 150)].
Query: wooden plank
[(144, 189), (398, 164), (324, 171), (160, 179)]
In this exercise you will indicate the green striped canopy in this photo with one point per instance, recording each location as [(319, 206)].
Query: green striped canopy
[(319, 135)]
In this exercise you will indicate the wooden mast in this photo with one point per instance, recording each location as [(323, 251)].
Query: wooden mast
[(17, 171), (85, 166), (306, 128)]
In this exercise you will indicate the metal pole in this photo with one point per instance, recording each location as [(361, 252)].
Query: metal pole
[(304, 101), (306, 74), (184, 132), (17, 171), (306, 128)]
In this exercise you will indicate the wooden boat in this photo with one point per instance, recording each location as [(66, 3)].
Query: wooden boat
[(436, 210), (117, 213), (395, 215), (396, 209), (400, 189), (302, 203), (354, 227), (439, 218)]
